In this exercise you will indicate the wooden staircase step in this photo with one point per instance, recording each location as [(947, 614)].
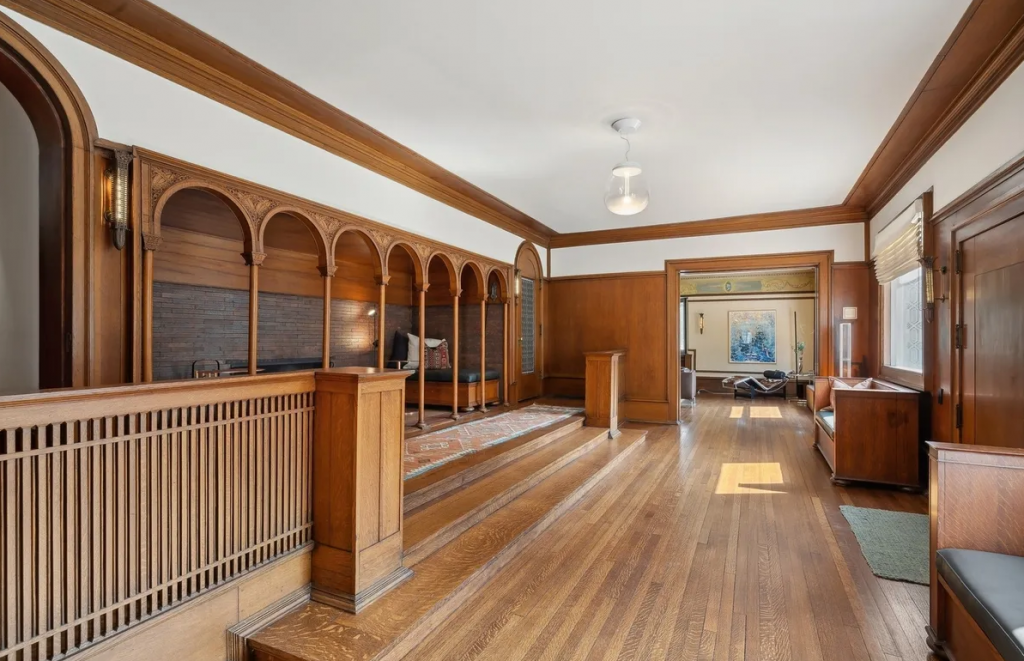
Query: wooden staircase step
[(452, 475), (440, 521), (401, 619)]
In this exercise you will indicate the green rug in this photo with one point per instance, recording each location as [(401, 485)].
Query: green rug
[(895, 544)]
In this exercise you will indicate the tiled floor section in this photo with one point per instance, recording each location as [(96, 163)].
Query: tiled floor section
[(432, 450)]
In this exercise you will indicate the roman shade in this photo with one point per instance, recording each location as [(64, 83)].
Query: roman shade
[(899, 246)]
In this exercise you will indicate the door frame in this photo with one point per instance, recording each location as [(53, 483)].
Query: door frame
[(821, 261), (527, 251), (1007, 209), (67, 134)]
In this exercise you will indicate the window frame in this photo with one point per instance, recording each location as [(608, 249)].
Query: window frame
[(901, 376)]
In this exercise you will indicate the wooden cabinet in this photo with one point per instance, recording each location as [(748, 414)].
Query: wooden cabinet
[(604, 389), (357, 485)]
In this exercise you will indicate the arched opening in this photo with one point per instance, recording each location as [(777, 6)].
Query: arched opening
[(528, 284), (356, 312), (46, 133), (479, 374), (496, 323), (290, 312), (200, 289)]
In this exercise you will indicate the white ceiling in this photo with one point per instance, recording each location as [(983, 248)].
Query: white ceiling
[(748, 105)]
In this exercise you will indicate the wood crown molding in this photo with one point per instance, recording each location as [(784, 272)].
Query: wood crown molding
[(161, 43), (983, 50), (758, 222)]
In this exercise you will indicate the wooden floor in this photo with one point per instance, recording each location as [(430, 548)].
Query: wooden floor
[(718, 539)]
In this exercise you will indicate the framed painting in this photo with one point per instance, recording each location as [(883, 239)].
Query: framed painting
[(752, 336)]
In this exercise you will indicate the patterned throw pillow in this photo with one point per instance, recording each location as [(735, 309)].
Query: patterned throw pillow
[(436, 358)]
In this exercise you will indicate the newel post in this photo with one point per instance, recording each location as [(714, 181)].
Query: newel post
[(357, 485), (605, 388)]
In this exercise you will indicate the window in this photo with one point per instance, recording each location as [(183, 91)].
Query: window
[(904, 321)]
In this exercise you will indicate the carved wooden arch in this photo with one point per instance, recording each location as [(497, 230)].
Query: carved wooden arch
[(498, 273), (525, 248), (162, 194), (379, 265), (325, 257), (417, 261), (477, 273), (66, 131), (454, 267)]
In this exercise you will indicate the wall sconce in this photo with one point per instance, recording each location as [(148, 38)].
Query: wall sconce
[(700, 323), (518, 278), (116, 213), (376, 330)]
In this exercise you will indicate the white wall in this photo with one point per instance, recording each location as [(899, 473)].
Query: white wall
[(993, 136), (19, 249), (135, 107), (847, 240), (712, 346)]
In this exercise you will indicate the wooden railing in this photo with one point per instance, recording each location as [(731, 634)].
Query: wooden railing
[(117, 504)]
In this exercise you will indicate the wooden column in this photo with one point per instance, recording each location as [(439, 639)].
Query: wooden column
[(504, 353), (328, 274), (604, 389), (483, 355), (150, 243), (422, 423), (254, 260), (381, 335), (357, 485), (455, 356)]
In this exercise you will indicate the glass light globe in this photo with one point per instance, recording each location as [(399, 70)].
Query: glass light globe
[(627, 192)]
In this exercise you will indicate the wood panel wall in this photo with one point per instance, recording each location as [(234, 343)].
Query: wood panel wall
[(852, 284), (605, 312)]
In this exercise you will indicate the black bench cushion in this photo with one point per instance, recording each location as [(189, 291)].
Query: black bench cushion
[(465, 376), (282, 364), (991, 588)]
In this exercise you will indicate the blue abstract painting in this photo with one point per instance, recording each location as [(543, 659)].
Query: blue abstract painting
[(752, 336)]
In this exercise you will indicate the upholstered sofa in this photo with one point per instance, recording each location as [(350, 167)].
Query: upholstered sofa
[(868, 430), (977, 552)]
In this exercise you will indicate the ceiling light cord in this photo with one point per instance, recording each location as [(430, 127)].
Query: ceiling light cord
[(628, 145)]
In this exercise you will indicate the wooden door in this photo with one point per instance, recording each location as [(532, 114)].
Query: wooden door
[(528, 324), (991, 341)]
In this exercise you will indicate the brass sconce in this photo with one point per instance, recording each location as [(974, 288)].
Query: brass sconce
[(700, 323), (116, 202)]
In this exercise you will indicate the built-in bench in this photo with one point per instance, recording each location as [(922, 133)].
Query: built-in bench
[(977, 553), (437, 390), (868, 431)]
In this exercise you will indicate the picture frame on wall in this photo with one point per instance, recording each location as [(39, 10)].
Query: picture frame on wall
[(753, 337)]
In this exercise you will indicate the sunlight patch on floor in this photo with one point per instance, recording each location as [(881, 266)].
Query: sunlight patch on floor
[(737, 412), (749, 478), (765, 412)]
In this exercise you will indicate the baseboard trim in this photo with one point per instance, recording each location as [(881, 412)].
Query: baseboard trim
[(239, 634), (355, 603)]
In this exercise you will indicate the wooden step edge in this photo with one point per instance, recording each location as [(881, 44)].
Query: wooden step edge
[(444, 608), (435, 490), (421, 550)]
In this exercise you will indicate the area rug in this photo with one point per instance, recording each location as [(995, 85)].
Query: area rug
[(431, 450), (895, 544)]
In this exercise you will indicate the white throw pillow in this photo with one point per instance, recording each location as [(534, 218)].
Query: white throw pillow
[(414, 349)]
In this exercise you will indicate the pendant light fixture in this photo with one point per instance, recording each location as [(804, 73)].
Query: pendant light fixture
[(627, 192)]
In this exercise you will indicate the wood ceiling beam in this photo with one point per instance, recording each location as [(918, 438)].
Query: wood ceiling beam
[(757, 222), (983, 50), (161, 43)]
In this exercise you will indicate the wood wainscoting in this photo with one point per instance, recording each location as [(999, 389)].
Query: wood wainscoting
[(852, 284), (624, 310)]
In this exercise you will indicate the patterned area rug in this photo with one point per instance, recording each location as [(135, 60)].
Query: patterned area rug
[(895, 544), (436, 448)]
